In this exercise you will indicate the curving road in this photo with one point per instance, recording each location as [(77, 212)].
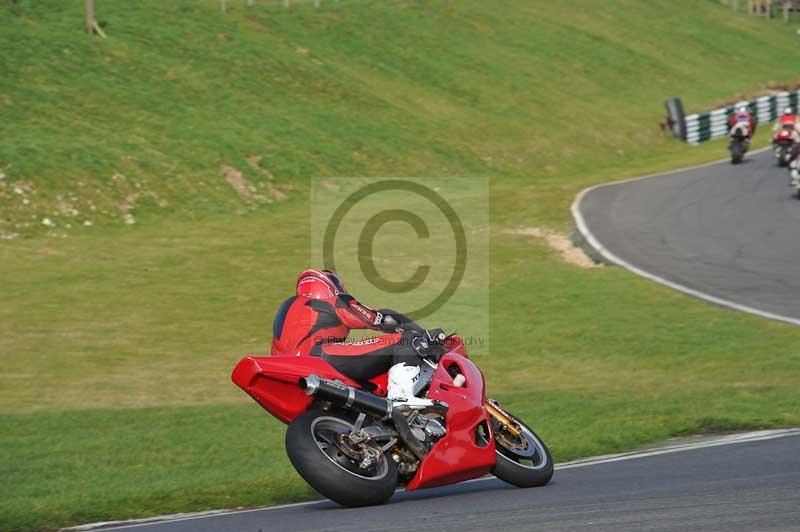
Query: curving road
[(741, 483), (729, 234)]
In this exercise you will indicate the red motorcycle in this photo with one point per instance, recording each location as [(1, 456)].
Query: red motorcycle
[(349, 443), (782, 144)]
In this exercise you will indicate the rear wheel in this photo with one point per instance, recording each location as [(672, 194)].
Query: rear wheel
[(318, 451), (522, 460)]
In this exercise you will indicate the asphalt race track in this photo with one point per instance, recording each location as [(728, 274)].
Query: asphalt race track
[(749, 485), (730, 234)]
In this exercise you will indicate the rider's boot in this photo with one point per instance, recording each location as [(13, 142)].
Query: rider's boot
[(402, 379)]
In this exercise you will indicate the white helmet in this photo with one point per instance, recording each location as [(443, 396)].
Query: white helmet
[(788, 111), (741, 107)]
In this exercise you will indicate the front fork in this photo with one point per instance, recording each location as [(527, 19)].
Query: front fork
[(507, 422)]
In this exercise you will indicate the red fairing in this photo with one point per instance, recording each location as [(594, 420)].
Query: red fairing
[(456, 345), (273, 381), (739, 117), (457, 456)]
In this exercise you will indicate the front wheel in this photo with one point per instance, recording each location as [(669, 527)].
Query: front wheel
[(783, 156), (318, 449), (522, 460), (737, 151)]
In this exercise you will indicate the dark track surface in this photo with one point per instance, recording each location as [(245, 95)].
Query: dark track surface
[(740, 487), (732, 232)]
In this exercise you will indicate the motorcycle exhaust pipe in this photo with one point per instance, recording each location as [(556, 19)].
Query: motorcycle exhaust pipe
[(346, 396)]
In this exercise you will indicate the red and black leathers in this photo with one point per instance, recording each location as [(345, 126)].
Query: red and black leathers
[(787, 119), (319, 327), (745, 117)]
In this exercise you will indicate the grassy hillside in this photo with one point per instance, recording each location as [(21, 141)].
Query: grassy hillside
[(355, 88), (117, 338)]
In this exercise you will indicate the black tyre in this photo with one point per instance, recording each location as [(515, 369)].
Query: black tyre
[(524, 460), (737, 151), (677, 118), (783, 156), (312, 443)]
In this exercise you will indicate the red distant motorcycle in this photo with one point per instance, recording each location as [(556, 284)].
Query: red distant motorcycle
[(782, 144), (349, 443)]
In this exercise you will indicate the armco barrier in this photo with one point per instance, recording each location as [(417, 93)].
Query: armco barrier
[(714, 124)]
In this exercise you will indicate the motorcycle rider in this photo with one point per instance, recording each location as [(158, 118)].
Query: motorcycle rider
[(318, 318), (788, 118), (794, 161), (742, 121)]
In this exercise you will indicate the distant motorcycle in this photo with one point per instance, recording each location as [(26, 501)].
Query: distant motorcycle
[(794, 173), (739, 143), (783, 143), (741, 127)]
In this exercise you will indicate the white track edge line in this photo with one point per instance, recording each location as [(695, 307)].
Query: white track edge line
[(726, 440), (584, 230)]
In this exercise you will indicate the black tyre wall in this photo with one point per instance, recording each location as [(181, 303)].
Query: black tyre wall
[(677, 118), (329, 478)]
